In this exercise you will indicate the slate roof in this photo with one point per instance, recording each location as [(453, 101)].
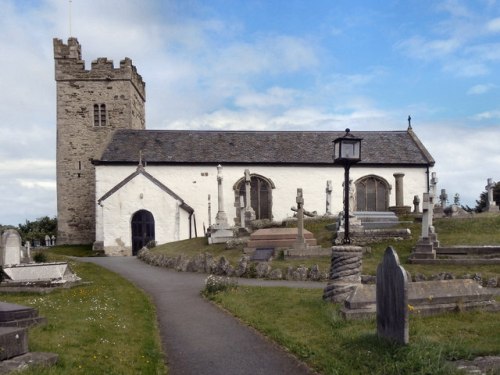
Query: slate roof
[(259, 147)]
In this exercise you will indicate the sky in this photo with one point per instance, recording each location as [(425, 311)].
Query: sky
[(262, 65)]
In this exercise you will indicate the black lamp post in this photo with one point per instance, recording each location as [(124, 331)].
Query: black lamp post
[(347, 151)]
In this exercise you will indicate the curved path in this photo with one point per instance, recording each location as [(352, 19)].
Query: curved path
[(197, 337)]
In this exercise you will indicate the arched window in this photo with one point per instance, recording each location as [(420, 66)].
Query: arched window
[(372, 194), (143, 230), (261, 196), (100, 118)]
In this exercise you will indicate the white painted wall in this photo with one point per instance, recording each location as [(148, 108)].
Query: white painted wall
[(114, 215), (191, 184)]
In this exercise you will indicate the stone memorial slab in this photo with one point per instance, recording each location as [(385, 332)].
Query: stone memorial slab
[(392, 299), (40, 272), (262, 254)]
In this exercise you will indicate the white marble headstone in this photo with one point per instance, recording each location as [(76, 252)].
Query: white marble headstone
[(10, 247)]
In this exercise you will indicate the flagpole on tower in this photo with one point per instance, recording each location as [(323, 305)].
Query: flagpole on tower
[(70, 31)]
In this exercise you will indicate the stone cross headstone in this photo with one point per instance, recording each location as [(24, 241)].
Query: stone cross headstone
[(10, 248), (427, 211), (242, 211), (443, 198), (249, 212), (433, 184), (416, 204), (329, 189), (221, 217), (490, 202), (209, 211), (300, 217), (392, 299)]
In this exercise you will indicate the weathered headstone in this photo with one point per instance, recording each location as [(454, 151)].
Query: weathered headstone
[(328, 190), (10, 248), (392, 299), (220, 232), (47, 240), (416, 204), (209, 211), (242, 211), (249, 212), (221, 217), (424, 249), (443, 198), (53, 240), (490, 202), (301, 242)]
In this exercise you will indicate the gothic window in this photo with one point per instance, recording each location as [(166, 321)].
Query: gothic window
[(372, 194), (260, 196), (100, 118)]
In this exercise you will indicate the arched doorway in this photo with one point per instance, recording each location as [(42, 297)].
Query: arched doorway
[(261, 196), (372, 194), (143, 230)]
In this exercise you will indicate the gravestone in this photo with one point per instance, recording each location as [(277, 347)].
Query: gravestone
[(47, 240), (392, 299), (220, 232), (10, 248), (249, 212), (424, 249), (416, 204), (490, 202), (328, 190), (301, 242)]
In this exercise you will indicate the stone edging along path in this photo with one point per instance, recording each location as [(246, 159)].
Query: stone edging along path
[(206, 263)]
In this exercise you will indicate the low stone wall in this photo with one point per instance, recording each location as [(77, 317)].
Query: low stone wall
[(206, 263)]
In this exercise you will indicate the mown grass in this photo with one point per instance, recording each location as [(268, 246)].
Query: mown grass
[(314, 331), (105, 327)]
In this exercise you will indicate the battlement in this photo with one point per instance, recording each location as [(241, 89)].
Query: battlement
[(70, 67)]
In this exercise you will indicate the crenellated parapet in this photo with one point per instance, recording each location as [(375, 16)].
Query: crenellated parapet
[(69, 66)]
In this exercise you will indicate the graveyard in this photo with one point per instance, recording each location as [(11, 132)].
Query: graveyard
[(315, 331)]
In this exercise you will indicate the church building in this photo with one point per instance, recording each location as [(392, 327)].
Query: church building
[(120, 185)]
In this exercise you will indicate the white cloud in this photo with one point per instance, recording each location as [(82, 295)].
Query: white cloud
[(487, 115), (480, 89), (493, 25), (42, 184)]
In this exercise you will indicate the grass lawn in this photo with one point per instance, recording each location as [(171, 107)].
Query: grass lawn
[(105, 327), (314, 331)]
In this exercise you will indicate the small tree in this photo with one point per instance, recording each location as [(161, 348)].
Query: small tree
[(38, 229)]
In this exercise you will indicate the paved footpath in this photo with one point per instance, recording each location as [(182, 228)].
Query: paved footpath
[(197, 337)]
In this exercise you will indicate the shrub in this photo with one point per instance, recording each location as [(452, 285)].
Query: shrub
[(40, 257), (151, 244), (215, 284)]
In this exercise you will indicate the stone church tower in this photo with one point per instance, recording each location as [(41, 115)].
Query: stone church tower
[(91, 104)]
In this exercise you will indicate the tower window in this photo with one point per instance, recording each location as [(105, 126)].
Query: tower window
[(100, 115)]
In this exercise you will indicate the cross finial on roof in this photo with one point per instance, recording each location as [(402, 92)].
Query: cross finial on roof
[(409, 122), (140, 165)]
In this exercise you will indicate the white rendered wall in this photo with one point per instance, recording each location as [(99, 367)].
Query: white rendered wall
[(194, 183), (114, 215)]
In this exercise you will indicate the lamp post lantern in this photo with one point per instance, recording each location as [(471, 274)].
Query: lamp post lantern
[(346, 151)]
